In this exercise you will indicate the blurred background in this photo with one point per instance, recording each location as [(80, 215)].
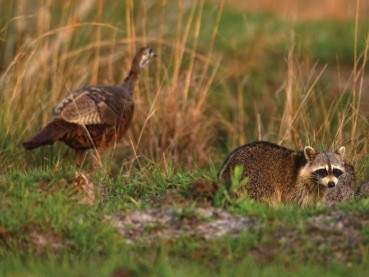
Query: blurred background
[(227, 73)]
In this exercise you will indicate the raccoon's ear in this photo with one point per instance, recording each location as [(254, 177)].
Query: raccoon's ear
[(310, 153), (341, 151)]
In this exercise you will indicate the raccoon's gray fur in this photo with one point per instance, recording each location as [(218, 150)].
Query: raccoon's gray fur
[(345, 190), (280, 175)]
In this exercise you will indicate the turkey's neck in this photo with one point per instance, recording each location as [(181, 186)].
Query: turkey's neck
[(130, 80)]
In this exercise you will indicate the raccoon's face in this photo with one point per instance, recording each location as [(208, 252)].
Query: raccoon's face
[(325, 167)]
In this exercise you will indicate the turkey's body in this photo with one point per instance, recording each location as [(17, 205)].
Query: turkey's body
[(100, 136), (93, 117)]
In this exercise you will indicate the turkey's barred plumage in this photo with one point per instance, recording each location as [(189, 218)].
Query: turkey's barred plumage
[(93, 116)]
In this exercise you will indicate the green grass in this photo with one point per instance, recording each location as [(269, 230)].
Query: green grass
[(94, 248), (326, 41)]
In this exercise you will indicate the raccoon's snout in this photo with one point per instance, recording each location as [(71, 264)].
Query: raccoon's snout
[(331, 184)]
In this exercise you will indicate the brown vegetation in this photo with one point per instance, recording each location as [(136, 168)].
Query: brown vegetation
[(46, 55)]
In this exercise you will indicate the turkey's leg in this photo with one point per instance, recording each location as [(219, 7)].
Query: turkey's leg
[(96, 159), (79, 157)]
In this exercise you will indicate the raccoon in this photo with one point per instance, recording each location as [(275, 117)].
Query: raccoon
[(278, 175), (345, 191)]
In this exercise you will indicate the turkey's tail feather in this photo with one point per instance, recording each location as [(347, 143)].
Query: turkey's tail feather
[(52, 132)]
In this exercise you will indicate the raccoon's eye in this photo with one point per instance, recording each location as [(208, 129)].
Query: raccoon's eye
[(337, 172), (322, 173)]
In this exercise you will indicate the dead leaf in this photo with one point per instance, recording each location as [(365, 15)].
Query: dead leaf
[(82, 183)]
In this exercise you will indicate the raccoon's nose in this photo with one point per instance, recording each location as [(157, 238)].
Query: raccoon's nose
[(331, 184)]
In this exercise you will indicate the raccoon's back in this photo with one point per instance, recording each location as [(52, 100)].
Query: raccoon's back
[(264, 163)]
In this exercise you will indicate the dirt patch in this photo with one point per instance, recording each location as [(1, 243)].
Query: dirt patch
[(123, 272), (171, 224), (5, 234), (334, 236), (40, 238), (36, 238)]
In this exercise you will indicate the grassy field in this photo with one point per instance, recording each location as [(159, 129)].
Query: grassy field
[(223, 77)]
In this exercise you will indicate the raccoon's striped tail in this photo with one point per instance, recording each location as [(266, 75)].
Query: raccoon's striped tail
[(52, 132)]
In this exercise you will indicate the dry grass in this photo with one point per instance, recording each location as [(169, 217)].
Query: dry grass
[(302, 109), (47, 64), (48, 54)]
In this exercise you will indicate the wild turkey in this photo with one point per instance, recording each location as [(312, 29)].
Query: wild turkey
[(93, 116)]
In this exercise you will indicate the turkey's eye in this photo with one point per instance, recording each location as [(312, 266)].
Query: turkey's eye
[(337, 172), (321, 173)]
